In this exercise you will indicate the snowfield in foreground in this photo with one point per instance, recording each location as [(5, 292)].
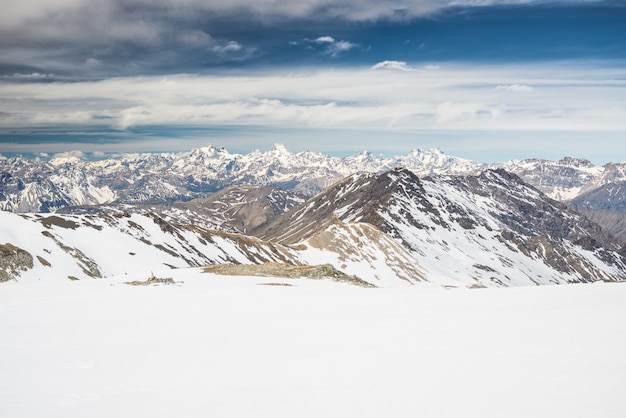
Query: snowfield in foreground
[(216, 346)]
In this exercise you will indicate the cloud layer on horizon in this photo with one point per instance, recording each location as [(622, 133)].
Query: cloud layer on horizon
[(396, 95)]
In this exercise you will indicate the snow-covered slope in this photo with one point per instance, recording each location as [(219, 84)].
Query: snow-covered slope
[(561, 180), (486, 230), (235, 209), (231, 347), (57, 247)]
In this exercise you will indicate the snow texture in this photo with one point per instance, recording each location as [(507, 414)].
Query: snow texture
[(231, 347)]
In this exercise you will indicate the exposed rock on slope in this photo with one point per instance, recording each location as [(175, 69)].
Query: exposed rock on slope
[(236, 209), (90, 246), (605, 205), (13, 261), (325, 271)]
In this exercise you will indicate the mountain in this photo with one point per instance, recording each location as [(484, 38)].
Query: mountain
[(235, 209), (49, 247), (46, 186), (605, 205), (34, 185), (487, 230), (597, 192), (388, 229), (561, 180)]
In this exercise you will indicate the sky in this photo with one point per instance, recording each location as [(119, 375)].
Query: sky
[(488, 80)]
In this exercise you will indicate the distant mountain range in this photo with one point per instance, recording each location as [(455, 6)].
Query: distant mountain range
[(31, 185)]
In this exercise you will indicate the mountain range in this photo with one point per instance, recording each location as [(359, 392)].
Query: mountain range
[(440, 221), (35, 185)]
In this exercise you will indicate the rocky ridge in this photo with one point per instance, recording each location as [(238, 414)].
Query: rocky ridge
[(487, 229)]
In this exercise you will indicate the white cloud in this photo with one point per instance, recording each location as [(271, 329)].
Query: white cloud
[(73, 154), (520, 88), (452, 98), (327, 44), (392, 65), (325, 40), (230, 46), (340, 46), (31, 76)]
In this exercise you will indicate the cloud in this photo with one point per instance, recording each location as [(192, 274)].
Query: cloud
[(230, 46), (195, 38), (198, 39), (520, 88), (31, 76), (460, 97), (152, 23), (73, 154), (339, 47), (83, 38), (392, 65), (328, 45), (325, 40)]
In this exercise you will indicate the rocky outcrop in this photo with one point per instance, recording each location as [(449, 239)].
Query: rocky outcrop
[(325, 271), (13, 260)]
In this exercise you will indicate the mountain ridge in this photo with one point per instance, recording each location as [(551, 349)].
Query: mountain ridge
[(492, 227), (46, 186)]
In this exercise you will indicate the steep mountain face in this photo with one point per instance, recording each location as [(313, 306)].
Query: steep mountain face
[(605, 205), (610, 196), (561, 180), (491, 229), (567, 178)]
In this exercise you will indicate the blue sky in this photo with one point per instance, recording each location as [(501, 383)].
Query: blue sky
[(488, 80)]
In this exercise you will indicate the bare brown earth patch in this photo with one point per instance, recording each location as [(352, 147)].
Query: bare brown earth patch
[(13, 260), (324, 271), (153, 280), (43, 261)]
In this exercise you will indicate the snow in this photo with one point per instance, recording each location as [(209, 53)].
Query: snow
[(228, 347)]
